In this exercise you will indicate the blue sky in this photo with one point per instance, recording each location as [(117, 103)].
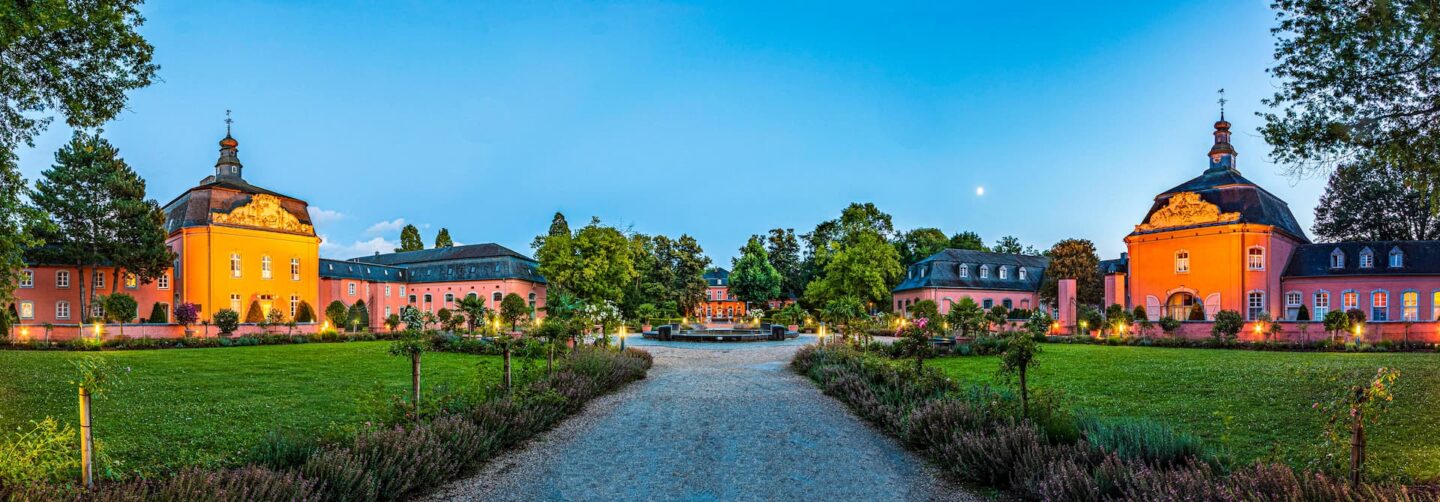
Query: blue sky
[(718, 119)]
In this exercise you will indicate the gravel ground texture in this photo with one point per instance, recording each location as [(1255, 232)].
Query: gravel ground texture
[(711, 422)]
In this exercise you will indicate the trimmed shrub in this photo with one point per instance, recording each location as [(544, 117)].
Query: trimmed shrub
[(157, 314), (338, 314), (254, 314), (227, 321), (304, 312)]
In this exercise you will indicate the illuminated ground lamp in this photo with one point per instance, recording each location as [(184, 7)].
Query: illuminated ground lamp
[(99, 331), (622, 337), (24, 334)]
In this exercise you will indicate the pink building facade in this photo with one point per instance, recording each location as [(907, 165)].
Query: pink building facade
[(990, 279), (52, 294)]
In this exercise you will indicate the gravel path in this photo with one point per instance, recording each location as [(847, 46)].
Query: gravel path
[(711, 422)]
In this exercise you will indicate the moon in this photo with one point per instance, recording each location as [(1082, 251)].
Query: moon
[(979, 191)]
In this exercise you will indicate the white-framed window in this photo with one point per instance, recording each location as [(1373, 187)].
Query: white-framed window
[(163, 282), (964, 272), (984, 271), (350, 288), (1349, 300), (1379, 306), (294, 269), (1021, 273), (131, 281), (412, 298), (62, 278), (1397, 258), (1293, 300), (1182, 262), (1367, 258), (234, 264), (235, 302), (387, 290), (294, 306), (449, 298), (1322, 304), (1004, 273), (265, 267), (27, 278), (387, 311), (62, 309), (1255, 302), (1255, 258), (1337, 258), (99, 280), (1410, 306), (27, 309), (402, 292), (97, 311)]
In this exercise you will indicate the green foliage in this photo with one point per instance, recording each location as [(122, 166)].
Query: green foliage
[(595, 264), (843, 312), (513, 308), (409, 240), (753, 279), (442, 239), (119, 307), (304, 312), (1375, 201), (1039, 324), (412, 317), (784, 252), (1141, 438), (863, 265), (19, 224), (918, 244), (411, 346), (1011, 244), (1228, 324), (967, 316), (968, 240), (254, 314), (1336, 321), (646, 312), (1074, 259), (1303, 314), (338, 314), (226, 320), (926, 309), (392, 322), (996, 316), (1016, 359), (474, 310), (276, 317), (359, 315), (157, 314), (1169, 324), (46, 452)]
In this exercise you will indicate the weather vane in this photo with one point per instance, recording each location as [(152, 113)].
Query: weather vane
[(1222, 103), (228, 121)]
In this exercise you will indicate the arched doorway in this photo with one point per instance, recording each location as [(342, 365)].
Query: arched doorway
[(1182, 306)]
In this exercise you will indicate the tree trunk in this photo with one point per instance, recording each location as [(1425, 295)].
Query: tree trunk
[(507, 365), (550, 363), (87, 442), (1357, 440), (415, 381), (80, 271)]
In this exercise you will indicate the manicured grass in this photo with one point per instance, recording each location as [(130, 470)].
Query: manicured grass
[(208, 407), (1260, 400)]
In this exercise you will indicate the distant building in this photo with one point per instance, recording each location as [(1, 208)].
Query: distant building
[(719, 302), (432, 279), (990, 279)]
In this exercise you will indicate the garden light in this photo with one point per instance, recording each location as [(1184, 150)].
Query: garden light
[(622, 337)]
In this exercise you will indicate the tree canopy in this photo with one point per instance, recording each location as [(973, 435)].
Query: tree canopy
[(753, 279), (1074, 259), (864, 265), (410, 239), (917, 244), (1377, 201), (784, 251), (442, 239), (967, 240), (597, 263)]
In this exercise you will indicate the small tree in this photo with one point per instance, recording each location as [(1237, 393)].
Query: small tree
[(1228, 324), (645, 312), (915, 340), (412, 317), (157, 314), (792, 314), (1336, 322), (254, 314), (1038, 325), (474, 310), (1142, 320), (359, 315), (925, 309), (338, 314), (966, 316), (227, 321), (187, 314), (120, 308), (1169, 325), (844, 312), (1347, 414), (1016, 360), (996, 317), (453, 322), (413, 347), (392, 321), (304, 312), (513, 308), (94, 376), (276, 317)]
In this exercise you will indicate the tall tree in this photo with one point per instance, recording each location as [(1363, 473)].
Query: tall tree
[(689, 263), (410, 239), (1356, 80), (753, 279), (18, 228), (865, 266), (442, 239), (556, 253), (1011, 244), (77, 58), (1074, 259), (854, 219), (602, 264), (1377, 202), (920, 243), (784, 251), (654, 277), (101, 217), (967, 240)]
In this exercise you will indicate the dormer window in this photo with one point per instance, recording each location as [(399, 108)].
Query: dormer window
[(1367, 258), (984, 271), (1021, 273), (1004, 273), (1397, 258), (1337, 259), (964, 272), (922, 272)]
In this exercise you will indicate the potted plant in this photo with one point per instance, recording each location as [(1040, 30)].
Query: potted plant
[(186, 314)]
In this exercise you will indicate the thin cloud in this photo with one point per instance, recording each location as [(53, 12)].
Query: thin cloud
[(356, 249), (320, 216), (386, 227)]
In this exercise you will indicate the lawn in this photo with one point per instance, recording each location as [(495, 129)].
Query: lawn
[(208, 407), (1260, 401)]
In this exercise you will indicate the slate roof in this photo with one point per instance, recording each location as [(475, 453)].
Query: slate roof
[(460, 263), (1116, 266), (193, 208), (717, 277), (942, 270), (337, 269), (1313, 260), (1232, 193)]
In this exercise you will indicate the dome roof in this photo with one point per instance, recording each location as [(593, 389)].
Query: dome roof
[(229, 142)]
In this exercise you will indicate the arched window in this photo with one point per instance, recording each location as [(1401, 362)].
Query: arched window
[(532, 299), (1182, 306), (265, 267), (1367, 258), (234, 264), (1379, 306), (1337, 258), (1182, 262), (1255, 302), (1004, 273), (1410, 306), (1397, 258), (984, 271), (964, 272), (472, 294), (1255, 258)]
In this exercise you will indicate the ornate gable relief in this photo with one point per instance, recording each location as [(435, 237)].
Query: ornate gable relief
[(263, 211), (1185, 209)]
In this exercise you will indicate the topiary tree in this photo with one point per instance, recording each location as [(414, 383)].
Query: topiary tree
[(304, 312), (359, 315), (120, 308), (157, 314), (1228, 324), (1169, 325), (187, 314), (1336, 322), (1197, 313), (513, 308), (227, 321), (1302, 320), (254, 314), (338, 314), (1142, 319)]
